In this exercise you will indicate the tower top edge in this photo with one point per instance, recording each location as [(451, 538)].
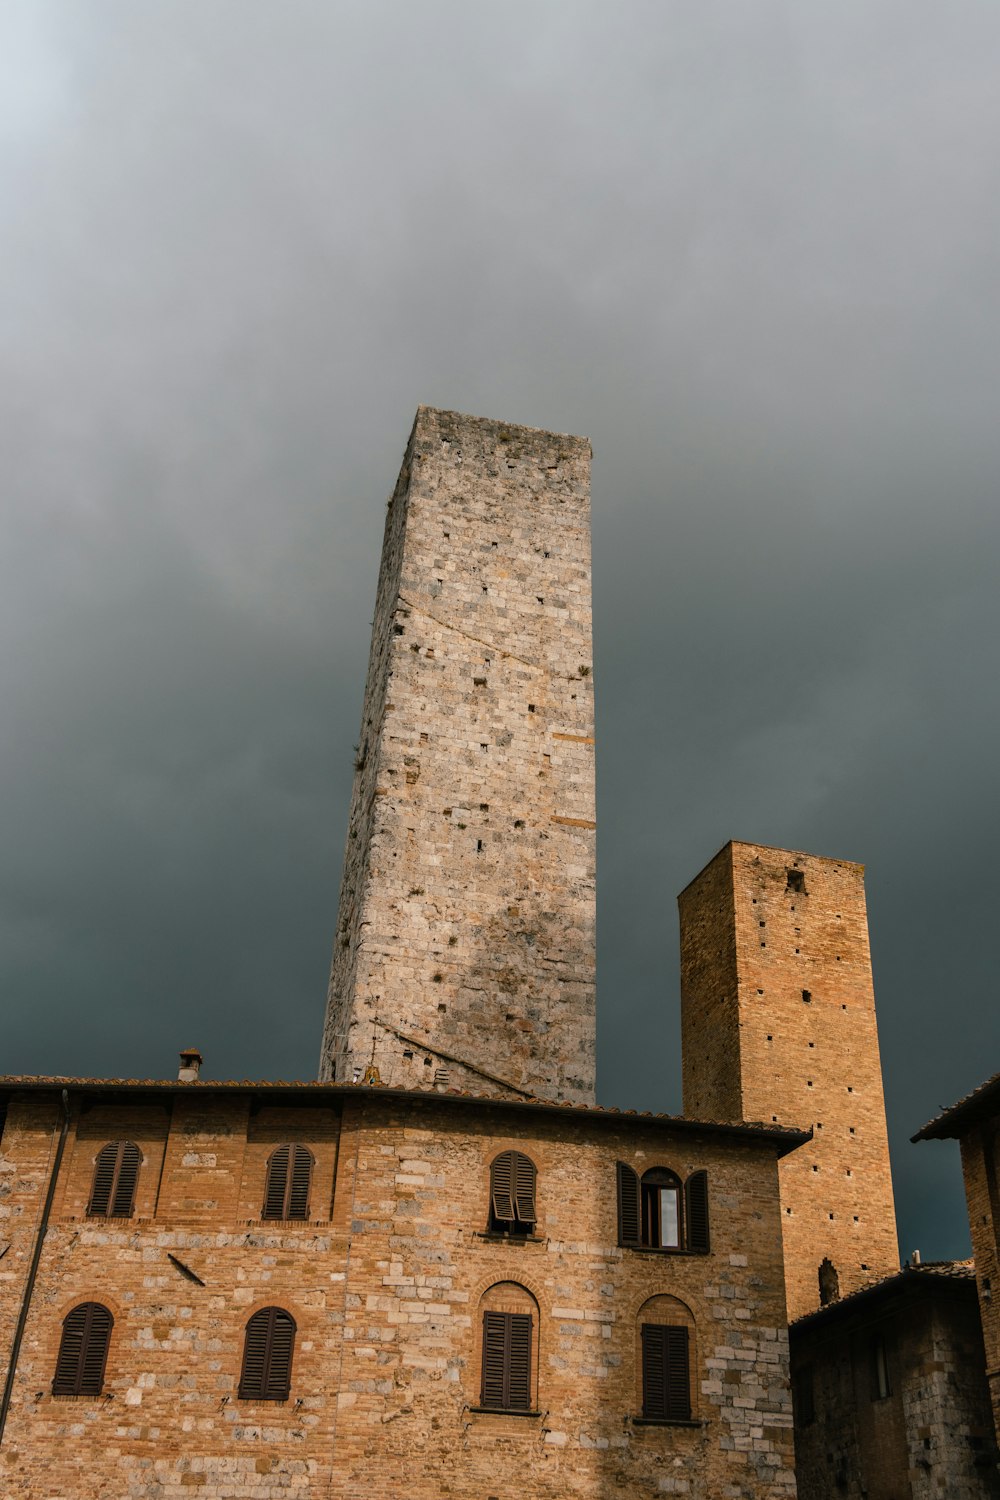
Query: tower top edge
[(740, 847), (458, 422)]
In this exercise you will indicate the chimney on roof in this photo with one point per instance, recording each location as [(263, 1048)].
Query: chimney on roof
[(915, 1258), (190, 1065)]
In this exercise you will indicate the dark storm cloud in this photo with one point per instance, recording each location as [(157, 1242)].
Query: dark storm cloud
[(750, 250)]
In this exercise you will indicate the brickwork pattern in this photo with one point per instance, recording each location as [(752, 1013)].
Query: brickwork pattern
[(386, 1283), (779, 1017), (981, 1171), (466, 931), (930, 1438)]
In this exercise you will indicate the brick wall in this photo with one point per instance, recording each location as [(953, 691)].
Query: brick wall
[(466, 925), (981, 1171), (387, 1283), (779, 1025), (930, 1437)]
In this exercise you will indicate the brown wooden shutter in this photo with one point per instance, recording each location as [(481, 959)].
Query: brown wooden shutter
[(501, 1187), (678, 1375), (494, 1359), (126, 1178), (116, 1173), (276, 1186), (666, 1378), (654, 1387), (519, 1362), (628, 1205), (507, 1361), (696, 1212), (267, 1356), (104, 1179), (297, 1196), (83, 1351), (524, 1188)]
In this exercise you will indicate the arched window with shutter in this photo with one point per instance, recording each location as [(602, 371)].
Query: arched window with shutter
[(656, 1213), (116, 1172), (509, 1348), (665, 1357), (83, 1351), (512, 1194), (267, 1356), (289, 1175)]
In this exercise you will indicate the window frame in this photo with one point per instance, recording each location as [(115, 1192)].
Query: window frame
[(92, 1331), (297, 1169), (636, 1202), (513, 1185), (507, 1355), (666, 1360), (260, 1332), (116, 1172)]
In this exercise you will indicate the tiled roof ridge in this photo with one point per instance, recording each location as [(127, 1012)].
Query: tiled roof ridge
[(54, 1081), (949, 1270), (931, 1129)]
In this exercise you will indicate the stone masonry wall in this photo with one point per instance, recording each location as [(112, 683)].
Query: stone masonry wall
[(466, 930), (929, 1438), (805, 1043), (386, 1283), (981, 1171)]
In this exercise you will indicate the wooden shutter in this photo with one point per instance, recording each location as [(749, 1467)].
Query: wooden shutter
[(123, 1197), (276, 1186), (83, 1351), (678, 1375), (696, 1212), (507, 1361), (494, 1359), (519, 1362), (502, 1187), (267, 1356), (297, 1196), (654, 1389), (628, 1205), (666, 1378), (116, 1173), (524, 1188)]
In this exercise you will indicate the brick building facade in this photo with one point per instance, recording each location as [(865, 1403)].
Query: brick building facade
[(975, 1123), (890, 1392), (388, 1277)]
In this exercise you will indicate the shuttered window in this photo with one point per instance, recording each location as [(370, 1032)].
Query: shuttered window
[(512, 1194), (267, 1356), (507, 1361), (83, 1351), (289, 1174), (696, 1206), (628, 1205), (116, 1173), (666, 1378)]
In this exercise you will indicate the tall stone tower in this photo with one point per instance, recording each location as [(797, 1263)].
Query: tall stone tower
[(465, 945), (778, 1025)]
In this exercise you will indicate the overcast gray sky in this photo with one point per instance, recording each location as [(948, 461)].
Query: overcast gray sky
[(751, 250)]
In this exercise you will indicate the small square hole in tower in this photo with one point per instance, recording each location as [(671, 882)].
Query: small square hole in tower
[(796, 881)]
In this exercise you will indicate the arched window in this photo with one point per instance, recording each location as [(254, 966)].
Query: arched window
[(289, 1173), (661, 1209), (83, 1351), (267, 1356), (116, 1172), (512, 1194), (656, 1213), (509, 1348), (666, 1347)]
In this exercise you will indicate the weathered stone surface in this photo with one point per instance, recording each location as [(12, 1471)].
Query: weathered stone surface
[(466, 927), (387, 1282), (778, 1024)]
